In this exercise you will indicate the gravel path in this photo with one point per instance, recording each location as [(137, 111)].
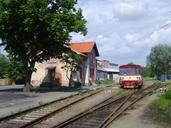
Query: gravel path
[(135, 118)]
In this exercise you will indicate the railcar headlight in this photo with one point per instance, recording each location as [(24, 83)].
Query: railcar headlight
[(121, 78), (139, 78)]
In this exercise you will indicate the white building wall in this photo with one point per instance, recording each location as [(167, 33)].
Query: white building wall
[(87, 75)]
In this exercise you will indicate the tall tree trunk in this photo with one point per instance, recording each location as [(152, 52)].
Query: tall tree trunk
[(27, 85), (70, 80)]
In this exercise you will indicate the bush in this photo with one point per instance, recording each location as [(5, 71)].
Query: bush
[(77, 84), (167, 95), (4, 64), (162, 103)]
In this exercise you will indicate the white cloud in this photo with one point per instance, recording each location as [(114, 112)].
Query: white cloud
[(160, 36), (125, 31), (132, 37), (130, 11), (77, 37)]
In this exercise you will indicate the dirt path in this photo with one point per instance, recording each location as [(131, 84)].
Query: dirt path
[(135, 116)]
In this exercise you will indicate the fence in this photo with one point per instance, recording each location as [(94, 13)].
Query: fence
[(7, 82)]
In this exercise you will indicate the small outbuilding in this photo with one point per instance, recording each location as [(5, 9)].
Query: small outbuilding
[(51, 72)]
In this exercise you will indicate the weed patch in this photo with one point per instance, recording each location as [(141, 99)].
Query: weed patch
[(107, 82), (161, 107)]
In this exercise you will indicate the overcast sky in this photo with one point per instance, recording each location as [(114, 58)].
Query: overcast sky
[(125, 30)]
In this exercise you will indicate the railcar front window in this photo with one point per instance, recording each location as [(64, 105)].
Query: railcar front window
[(129, 71)]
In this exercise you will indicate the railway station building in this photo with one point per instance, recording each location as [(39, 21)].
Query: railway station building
[(51, 72)]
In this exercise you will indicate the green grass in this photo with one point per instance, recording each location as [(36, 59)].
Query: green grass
[(84, 93), (107, 82), (5, 105), (125, 91), (163, 104), (149, 79)]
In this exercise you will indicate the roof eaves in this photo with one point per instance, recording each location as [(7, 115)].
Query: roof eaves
[(78, 52)]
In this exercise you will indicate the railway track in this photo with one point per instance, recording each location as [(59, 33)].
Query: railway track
[(102, 115), (35, 115), (51, 122)]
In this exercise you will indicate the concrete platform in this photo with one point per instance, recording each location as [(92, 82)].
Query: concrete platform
[(13, 99)]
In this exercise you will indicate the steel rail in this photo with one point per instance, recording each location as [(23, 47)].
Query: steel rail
[(114, 115), (29, 124), (36, 121), (34, 108), (130, 100), (89, 111)]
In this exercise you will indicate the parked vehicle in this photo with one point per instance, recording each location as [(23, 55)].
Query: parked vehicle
[(130, 76)]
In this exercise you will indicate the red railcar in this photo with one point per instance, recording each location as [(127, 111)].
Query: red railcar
[(130, 76)]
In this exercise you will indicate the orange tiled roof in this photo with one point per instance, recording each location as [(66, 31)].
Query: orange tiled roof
[(83, 47)]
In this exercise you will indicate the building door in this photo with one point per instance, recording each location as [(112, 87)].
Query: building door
[(51, 74), (111, 76)]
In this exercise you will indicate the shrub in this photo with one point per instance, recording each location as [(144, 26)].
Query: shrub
[(162, 103), (77, 84), (167, 95)]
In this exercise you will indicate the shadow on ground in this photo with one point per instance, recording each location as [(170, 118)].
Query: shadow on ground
[(45, 89)]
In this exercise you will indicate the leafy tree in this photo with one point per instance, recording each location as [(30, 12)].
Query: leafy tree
[(147, 72), (11, 68), (3, 66), (159, 60), (37, 30), (15, 69), (130, 63), (72, 62)]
